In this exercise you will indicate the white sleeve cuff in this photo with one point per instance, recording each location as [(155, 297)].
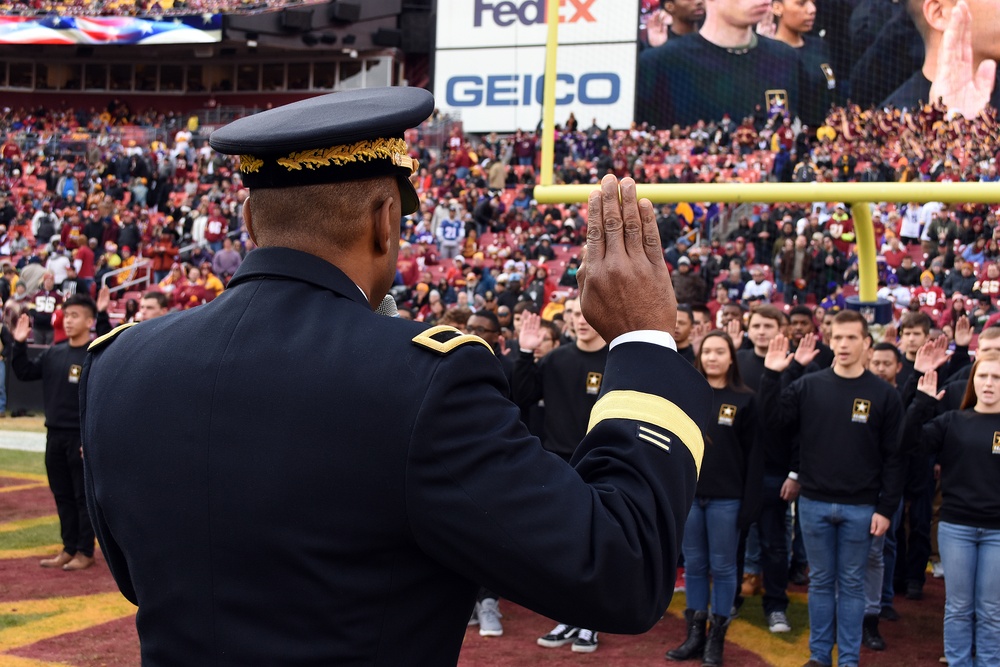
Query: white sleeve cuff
[(661, 338)]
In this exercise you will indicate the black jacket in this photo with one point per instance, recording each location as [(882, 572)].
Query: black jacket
[(332, 487)]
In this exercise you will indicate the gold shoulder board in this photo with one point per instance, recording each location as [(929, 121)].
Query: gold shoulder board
[(443, 339), (101, 341)]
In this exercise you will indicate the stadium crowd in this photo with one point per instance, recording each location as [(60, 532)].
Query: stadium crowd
[(762, 290)]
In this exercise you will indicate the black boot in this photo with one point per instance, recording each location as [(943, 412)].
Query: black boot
[(715, 642), (870, 637), (694, 645)]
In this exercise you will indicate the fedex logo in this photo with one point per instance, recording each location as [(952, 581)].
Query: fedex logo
[(531, 12)]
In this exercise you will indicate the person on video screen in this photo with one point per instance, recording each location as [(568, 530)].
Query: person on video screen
[(962, 46), (726, 68), (795, 19)]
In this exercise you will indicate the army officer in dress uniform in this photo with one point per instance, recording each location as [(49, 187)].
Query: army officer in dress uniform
[(340, 483)]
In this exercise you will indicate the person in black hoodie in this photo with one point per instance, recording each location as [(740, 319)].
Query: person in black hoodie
[(60, 368), (568, 380), (848, 422), (968, 448), (726, 500), (816, 78)]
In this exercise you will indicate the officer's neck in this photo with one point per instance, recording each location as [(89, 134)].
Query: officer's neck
[(359, 264), (364, 271)]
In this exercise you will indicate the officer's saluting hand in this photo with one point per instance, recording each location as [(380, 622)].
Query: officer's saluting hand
[(624, 282)]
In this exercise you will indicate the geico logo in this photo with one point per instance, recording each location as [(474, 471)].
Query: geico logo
[(532, 11), (511, 90)]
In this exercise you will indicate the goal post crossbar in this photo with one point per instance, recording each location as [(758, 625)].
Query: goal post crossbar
[(857, 195), (737, 193)]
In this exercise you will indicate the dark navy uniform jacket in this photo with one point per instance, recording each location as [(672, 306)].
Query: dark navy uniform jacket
[(283, 477)]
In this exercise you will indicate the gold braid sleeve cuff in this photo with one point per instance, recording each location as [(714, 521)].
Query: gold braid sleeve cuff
[(653, 410)]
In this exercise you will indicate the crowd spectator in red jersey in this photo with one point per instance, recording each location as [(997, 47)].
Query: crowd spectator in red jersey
[(893, 251), (524, 148), (46, 301), (407, 265), (462, 161), (989, 284), (10, 152), (191, 291), (74, 233), (929, 296), (163, 253), (216, 229), (785, 135)]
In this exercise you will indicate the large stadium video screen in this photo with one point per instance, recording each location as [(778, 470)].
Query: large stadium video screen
[(685, 61)]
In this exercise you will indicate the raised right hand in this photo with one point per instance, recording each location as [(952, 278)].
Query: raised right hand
[(777, 358), (530, 336), (806, 351), (22, 328), (927, 383), (698, 333), (658, 28), (931, 355), (767, 27), (964, 88), (735, 331), (624, 282)]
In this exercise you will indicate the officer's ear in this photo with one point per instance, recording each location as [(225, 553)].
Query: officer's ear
[(248, 220), (386, 216)]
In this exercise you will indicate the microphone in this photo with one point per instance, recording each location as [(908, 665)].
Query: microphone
[(387, 307)]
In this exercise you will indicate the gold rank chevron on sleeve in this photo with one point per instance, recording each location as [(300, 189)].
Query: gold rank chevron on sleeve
[(106, 339), (653, 410), (443, 339)]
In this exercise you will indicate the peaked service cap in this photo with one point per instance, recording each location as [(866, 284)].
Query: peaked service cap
[(332, 138)]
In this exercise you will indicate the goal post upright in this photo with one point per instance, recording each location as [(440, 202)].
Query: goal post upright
[(549, 92)]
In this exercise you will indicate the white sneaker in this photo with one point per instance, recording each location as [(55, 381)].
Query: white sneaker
[(778, 622), (489, 618)]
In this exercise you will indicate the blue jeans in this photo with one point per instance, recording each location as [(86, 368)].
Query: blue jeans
[(3, 383), (710, 544), (837, 539), (971, 560)]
